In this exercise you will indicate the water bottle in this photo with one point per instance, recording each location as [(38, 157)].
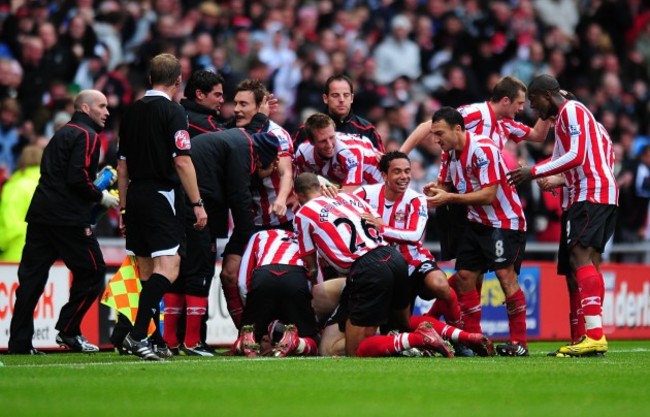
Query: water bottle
[(105, 178)]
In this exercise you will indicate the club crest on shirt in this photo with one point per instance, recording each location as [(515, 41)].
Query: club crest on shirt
[(574, 130), (182, 139), (400, 216)]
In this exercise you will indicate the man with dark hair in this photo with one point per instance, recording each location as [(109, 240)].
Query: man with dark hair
[(338, 97), (58, 227), (584, 156), (202, 102), (155, 167), (403, 218), (494, 238), (271, 193)]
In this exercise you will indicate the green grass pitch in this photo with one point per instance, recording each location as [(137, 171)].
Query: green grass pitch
[(106, 384)]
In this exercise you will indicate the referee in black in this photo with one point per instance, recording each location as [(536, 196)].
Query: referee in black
[(154, 168), (59, 228)]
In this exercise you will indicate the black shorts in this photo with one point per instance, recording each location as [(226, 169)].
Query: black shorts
[(155, 219), (586, 223), (485, 248), (280, 292), (377, 283), (452, 221), (417, 277), (198, 264)]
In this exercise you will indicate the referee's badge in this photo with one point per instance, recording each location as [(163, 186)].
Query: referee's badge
[(182, 139)]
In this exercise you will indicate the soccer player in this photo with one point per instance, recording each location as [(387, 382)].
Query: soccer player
[(402, 221), (584, 155), (338, 98), (343, 159), (376, 272), (270, 195), (495, 119), (273, 284), (494, 239)]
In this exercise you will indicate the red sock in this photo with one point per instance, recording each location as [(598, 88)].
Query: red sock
[(470, 307), (437, 308), (450, 308), (516, 306), (591, 285), (234, 303), (196, 307), (379, 346), (447, 331), (307, 347), (173, 308), (576, 317)]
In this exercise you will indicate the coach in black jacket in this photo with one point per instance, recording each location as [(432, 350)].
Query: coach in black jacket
[(59, 227), (225, 162)]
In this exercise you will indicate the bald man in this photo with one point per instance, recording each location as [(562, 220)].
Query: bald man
[(58, 227)]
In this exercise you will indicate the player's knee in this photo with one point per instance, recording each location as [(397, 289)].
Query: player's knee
[(438, 284)]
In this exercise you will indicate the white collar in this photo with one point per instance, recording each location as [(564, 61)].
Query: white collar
[(153, 93)]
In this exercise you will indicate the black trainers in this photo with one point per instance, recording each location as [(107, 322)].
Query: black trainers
[(510, 349), (197, 350), (162, 351), (140, 348), (31, 351), (462, 351), (77, 343)]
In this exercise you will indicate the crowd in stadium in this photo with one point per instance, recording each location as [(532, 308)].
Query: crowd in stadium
[(406, 59), (397, 64)]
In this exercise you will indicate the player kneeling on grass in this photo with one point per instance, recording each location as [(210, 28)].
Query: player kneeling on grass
[(274, 285), (426, 335)]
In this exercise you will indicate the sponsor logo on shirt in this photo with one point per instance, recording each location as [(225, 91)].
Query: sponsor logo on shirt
[(462, 186), (351, 163), (481, 161), (182, 139)]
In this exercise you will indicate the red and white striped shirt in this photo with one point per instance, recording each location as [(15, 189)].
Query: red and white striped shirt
[(354, 161), (478, 166), (334, 227), (584, 155), (268, 247), (479, 118), (406, 221), (266, 192)]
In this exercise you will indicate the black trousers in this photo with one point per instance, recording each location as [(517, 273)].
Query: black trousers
[(78, 248)]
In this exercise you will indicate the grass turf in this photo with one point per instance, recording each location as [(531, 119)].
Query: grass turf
[(106, 384)]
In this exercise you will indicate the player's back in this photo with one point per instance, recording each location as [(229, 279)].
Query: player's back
[(337, 230)]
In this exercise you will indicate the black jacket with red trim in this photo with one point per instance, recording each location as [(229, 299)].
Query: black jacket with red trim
[(65, 193)]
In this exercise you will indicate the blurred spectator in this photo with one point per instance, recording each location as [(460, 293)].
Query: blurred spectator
[(9, 119), (79, 38), (634, 184), (17, 193), (397, 55), (59, 60)]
